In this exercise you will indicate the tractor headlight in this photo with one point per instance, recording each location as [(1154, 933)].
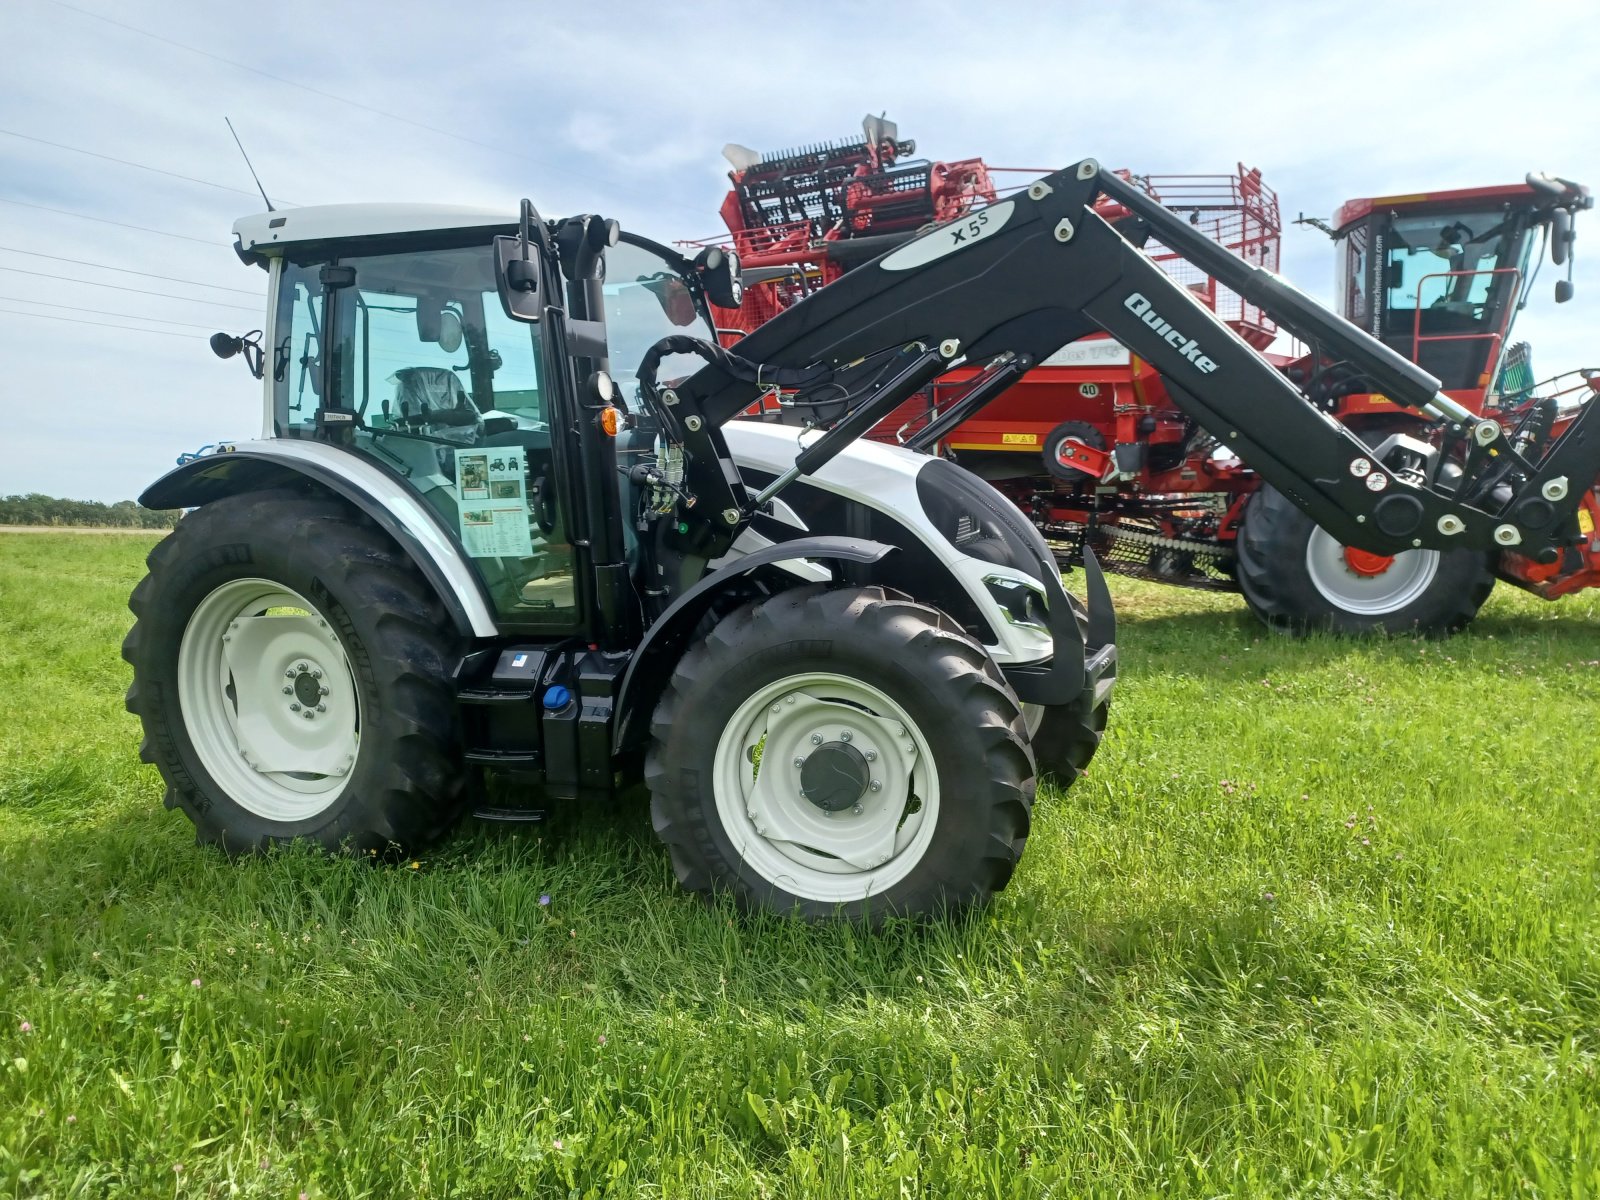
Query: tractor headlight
[(1022, 603)]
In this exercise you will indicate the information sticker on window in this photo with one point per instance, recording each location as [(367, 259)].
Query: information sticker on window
[(490, 484)]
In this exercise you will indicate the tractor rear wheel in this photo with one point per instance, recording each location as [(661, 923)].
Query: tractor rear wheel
[(293, 681), (840, 753), (1298, 578)]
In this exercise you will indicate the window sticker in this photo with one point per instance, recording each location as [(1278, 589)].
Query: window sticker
[(494, 509)]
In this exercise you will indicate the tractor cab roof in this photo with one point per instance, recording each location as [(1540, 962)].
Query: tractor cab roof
[(266, 234), (1514, 194)]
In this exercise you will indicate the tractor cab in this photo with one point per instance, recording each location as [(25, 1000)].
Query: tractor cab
[(1439, 276)]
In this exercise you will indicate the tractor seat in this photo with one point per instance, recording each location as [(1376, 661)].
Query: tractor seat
[(436, 397)]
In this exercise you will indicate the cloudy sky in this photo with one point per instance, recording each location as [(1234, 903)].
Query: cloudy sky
[(623, 108)]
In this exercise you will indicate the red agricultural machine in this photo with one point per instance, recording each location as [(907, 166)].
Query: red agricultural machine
[(1090, 442)]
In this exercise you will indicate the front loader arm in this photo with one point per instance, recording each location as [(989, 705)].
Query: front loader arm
[(1033, 272)]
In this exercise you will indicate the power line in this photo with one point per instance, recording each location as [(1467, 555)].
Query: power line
[(117, 287), (122, 271), (101, 312), (107, 221), (305, 87), (126, 162), (102, 324)]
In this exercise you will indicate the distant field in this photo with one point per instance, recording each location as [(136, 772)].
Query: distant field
[(1323, 921)]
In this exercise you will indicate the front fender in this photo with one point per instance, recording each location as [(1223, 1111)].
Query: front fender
[(665, 641), (381, 495)]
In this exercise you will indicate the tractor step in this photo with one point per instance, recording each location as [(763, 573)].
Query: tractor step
[(495, 695), (527, 759), (510, 815)]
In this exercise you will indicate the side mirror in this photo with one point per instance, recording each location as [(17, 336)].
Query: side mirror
[(517, 275), (1560, 235), (1563, 290), (517, 267), (720, 276), (226, 345)]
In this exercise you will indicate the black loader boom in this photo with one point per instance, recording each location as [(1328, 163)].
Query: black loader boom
[(1008, 285)]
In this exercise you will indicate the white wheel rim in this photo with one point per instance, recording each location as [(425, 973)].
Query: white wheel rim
[(255, 658), (856, 852), (1408, 577)]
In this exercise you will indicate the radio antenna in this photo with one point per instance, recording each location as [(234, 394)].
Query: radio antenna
[(247, 163)]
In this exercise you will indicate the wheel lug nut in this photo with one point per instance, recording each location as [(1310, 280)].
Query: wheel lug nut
[(308, 714), (289, 674), (846, 736), (287, 690), (294, 707), (316, 672), (322, 708), (798, 761), (324, 691), (856, 810), (816, 739), (776, 708), (876, 785), (871, 756), (789, 700)]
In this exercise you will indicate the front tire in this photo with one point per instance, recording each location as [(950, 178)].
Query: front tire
[(840, 753), (293, 679), (1298, 578)]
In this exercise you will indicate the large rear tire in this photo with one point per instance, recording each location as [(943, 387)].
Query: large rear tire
[(292, 673), (840, 753), (1298, 578)]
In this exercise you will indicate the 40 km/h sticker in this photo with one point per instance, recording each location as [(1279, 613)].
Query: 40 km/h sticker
[(947, 239)]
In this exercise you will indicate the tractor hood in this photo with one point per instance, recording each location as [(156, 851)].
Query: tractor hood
[(973, 531)]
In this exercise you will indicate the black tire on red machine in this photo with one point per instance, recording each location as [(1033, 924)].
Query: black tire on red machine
[(843, 752), (1057, 444), (1298, 579), (293, 677)]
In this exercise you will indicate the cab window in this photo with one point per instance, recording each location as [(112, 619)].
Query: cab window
[(446, 392)]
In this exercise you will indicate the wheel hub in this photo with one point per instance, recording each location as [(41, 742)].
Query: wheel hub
[(1365, 563), (268, 699), (835, 777), (1367, 584), (841, 784), (307, 686)]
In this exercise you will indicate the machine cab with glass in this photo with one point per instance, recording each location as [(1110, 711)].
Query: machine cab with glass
[(1440, 276), (396, 344)]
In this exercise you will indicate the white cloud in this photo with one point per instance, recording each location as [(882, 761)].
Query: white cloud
[(623, 107)]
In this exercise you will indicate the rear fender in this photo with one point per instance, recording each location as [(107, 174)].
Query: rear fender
[(381, 495), (666, 640)]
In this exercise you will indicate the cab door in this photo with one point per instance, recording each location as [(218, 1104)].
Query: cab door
[(447, 393)]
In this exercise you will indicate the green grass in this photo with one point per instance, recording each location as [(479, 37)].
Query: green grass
[(1321, 922)]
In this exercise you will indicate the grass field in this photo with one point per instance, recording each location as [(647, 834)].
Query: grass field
[(1322, 921)]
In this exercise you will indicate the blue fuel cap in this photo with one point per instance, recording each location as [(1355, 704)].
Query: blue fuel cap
[(557, 698)]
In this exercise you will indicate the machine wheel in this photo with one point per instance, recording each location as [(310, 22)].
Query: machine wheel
[(293, 679), (1056, 445), (840, 753), (1298, 578)]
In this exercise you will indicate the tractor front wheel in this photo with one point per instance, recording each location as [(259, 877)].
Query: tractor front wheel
[(841, 753), (1297, 578), (293, 679)]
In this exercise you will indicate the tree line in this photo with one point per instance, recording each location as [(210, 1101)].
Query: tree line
[(38, 509)]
